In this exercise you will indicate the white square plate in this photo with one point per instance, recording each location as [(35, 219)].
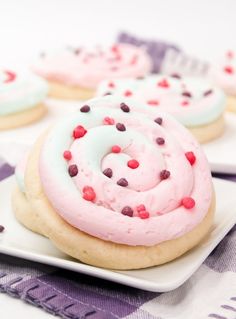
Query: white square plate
[(18, 241), (221, 153)]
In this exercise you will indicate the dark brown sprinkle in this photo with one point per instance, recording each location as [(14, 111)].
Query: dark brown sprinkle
[(187, 94), (77, 51), (108, 172), (124, 107), (1, 228), (209, 92), (140, 78), (164, 174), (85, 109), (158, 120), (128, 211), (160, 141), (120, 127), (73, 170), (107, 93), (176, 76), (122, 182)]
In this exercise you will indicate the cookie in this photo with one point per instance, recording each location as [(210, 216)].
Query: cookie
[(116, 189), (193, 101), (22, 99), (75, 74)]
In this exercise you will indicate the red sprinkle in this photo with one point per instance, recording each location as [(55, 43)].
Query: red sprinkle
[(153, 102), (128, 93), (133, 164), (127, 211), (228, 69), (188, 202), (79, 131), (143, 214), (185, 103), (89, 193), (163, 84), (140, 208), (108, 121), (190, 157), (111, 85), (115, 149), (67, 155), (73, 170)]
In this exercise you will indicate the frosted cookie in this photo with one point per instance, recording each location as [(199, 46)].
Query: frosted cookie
[(194, 102), (223, 75), (75, 74), (21, 99), (116, 189)]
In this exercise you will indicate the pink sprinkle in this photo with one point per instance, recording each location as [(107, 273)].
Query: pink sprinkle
[(163, 84), (143, 214), (140, 208), (115, 48), (188, 202), (115, 149), (111, 85), (229, 69), (89, 193), (153, 102), (79, 131), (67, 155), (133, 164), (230, 54), (185, 103), (134, 60), (10, 76), (128, 93), (108, 121)]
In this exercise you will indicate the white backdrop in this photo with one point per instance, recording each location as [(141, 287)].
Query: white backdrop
[(204, 28)]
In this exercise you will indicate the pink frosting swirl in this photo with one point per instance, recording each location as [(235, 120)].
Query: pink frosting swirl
[(125, 177), (88, 68)]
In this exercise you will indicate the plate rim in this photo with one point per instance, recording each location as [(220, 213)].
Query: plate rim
[(115, 275)]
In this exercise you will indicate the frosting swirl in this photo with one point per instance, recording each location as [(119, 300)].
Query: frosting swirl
[(121, 176), (20, 91), (88, 68), (223, 74), (192, 101)]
